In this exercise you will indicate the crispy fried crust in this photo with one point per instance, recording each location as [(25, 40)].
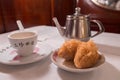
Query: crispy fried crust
[(86, 55), (83, 54), (68, 49)]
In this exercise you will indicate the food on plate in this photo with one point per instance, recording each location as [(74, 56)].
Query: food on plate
[(82, 54), (68, 49), (86, 55)]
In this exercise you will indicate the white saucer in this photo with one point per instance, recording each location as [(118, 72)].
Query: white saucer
[(60, 62), (9, 56)]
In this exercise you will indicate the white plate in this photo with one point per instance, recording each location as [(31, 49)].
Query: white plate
[(9, 56), (60, 62)]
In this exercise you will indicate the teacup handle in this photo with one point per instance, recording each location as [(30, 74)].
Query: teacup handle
[(100, 25)]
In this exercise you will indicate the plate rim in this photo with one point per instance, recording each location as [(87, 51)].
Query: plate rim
[(77, 70)]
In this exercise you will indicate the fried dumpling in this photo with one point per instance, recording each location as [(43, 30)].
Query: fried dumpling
[(86, 55), (68, 49)]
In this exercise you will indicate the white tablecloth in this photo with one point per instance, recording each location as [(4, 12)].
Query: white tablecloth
[(108, 43)]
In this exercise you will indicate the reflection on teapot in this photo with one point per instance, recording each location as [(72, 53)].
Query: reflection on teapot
[(78, 26)]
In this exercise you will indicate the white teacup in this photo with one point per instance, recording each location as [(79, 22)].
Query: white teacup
[(24, 42)]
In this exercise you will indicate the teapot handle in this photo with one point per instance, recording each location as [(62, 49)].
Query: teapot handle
[(100, 25)]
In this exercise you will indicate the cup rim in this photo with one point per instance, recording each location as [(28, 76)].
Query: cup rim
[(9, 36)]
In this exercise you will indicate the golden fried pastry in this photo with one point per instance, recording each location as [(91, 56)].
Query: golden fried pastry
[(68, 49), (91, 46), (86, 55), (81, 54)]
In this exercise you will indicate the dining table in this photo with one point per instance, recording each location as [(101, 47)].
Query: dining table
[(44, 69)]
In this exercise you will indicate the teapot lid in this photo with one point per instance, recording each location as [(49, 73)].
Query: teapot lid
[(77, 14), (77, 11)]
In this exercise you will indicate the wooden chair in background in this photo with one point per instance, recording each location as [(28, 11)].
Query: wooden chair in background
[(109, 18)]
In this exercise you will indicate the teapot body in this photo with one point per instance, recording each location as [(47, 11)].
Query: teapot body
[(78, 26)]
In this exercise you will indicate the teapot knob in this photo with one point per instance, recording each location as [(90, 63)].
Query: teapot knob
[(77, 11)]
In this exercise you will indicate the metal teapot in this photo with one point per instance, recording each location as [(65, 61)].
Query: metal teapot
[(78, 26)]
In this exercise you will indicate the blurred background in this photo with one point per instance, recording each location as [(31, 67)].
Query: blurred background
[(40, 12)]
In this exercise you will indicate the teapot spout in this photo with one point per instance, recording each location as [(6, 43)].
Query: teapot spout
[(60, 29)]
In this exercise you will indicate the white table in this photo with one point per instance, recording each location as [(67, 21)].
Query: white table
[(108, 43)]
